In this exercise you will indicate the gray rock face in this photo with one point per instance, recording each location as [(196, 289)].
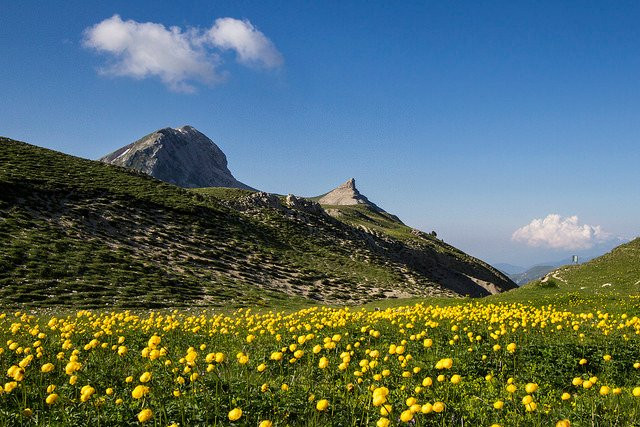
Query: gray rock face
[(346, 194), (182, 156)]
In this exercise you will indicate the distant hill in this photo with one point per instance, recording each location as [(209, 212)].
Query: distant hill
[(509, 268), (617, 272), (533, 273), (75, 232), (183, 156)]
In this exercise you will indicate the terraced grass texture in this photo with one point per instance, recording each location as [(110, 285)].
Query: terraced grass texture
[(78, 232)]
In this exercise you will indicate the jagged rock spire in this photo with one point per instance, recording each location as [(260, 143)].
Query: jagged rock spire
[(347, 194)]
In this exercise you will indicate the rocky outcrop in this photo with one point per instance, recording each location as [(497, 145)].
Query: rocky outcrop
[(259, 199), (347, 194), (182, 156), (301, 204)]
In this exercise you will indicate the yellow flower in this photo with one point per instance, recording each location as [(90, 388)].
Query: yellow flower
[(145, 415), (385, 410), (456, 379), (583, 361), (383, 422), (636, 392), (565, 396), (140, 391), (607, 357), (47, 367), (511, 347), (498, 404), (378, 400), (235, 414), (322, 405), (531, 388), (145, 377), (563, 423), (604, 390), (511, 388), (152, 343), (426, 408), (265, 423), (284, 387), (323, 363), (406, 416), (438, 407), (51, 399)]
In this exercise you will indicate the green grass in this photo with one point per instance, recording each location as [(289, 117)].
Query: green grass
[(222, 193)]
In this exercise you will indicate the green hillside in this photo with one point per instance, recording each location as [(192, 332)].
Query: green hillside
[(78, 232), (600, 282)]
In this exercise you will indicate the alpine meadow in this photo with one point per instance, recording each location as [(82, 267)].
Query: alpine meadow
[(349, 214)]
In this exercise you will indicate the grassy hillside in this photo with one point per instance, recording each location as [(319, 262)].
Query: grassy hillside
[(74, 231), (605, 279)]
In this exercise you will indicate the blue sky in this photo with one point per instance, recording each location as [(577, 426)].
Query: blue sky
[(468, 118)]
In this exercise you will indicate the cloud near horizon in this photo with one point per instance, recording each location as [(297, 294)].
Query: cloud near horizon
[(557, 232), (178, 57)]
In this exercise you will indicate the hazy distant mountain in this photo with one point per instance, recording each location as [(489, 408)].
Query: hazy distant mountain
[(509, 268), (535, 272), (182, 156)]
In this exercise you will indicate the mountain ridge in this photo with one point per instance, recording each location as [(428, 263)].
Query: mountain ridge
[(80, 232)]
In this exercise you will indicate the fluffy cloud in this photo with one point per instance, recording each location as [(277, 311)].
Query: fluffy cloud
[(557, 232), (178, 57), (250, 44)]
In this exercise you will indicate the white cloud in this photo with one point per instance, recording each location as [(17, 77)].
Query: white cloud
[(557, 232), (250, 44), (178, 57)]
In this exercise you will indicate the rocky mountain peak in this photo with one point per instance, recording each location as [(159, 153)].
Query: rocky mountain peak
[(350, 184), (182, 156), (346, 194)]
